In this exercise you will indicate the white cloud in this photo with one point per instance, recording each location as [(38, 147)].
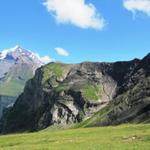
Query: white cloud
[(44, 59), (135, 6), (76, 12), (62, 51)]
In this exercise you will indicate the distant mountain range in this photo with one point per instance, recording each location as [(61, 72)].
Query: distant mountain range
[(17, 65), (90, 94)]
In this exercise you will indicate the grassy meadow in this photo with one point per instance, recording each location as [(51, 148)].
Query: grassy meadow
[(132, 137)]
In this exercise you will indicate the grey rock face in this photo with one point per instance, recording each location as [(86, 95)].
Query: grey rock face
[(132, 103)]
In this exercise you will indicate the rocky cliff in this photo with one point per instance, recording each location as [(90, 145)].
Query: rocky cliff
[(92, 93)]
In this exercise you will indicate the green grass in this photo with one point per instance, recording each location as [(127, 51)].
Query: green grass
[(125, 137), (12, 88), (12, 85), (53, 69), (92, 92), (95, 119)]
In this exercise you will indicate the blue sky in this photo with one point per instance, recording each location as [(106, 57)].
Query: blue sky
[(124, 35)]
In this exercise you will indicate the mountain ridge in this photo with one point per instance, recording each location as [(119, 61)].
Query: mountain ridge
[(62, 94)]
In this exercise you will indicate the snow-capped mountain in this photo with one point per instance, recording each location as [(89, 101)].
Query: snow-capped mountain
[(17, 55), (17, 65)]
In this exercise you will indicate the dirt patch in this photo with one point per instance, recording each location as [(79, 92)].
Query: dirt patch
[(132, 138)]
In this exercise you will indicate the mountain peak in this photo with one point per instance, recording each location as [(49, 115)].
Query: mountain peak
[(19, 48), (18, 52), (10, 51)]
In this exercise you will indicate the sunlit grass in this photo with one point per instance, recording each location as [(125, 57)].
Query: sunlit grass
[(123, 137)]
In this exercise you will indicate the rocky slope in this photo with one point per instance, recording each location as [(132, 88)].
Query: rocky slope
[(95, 94)]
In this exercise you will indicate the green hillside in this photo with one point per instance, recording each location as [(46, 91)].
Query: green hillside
[(95, 119), (125, 137), (14, 82)]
